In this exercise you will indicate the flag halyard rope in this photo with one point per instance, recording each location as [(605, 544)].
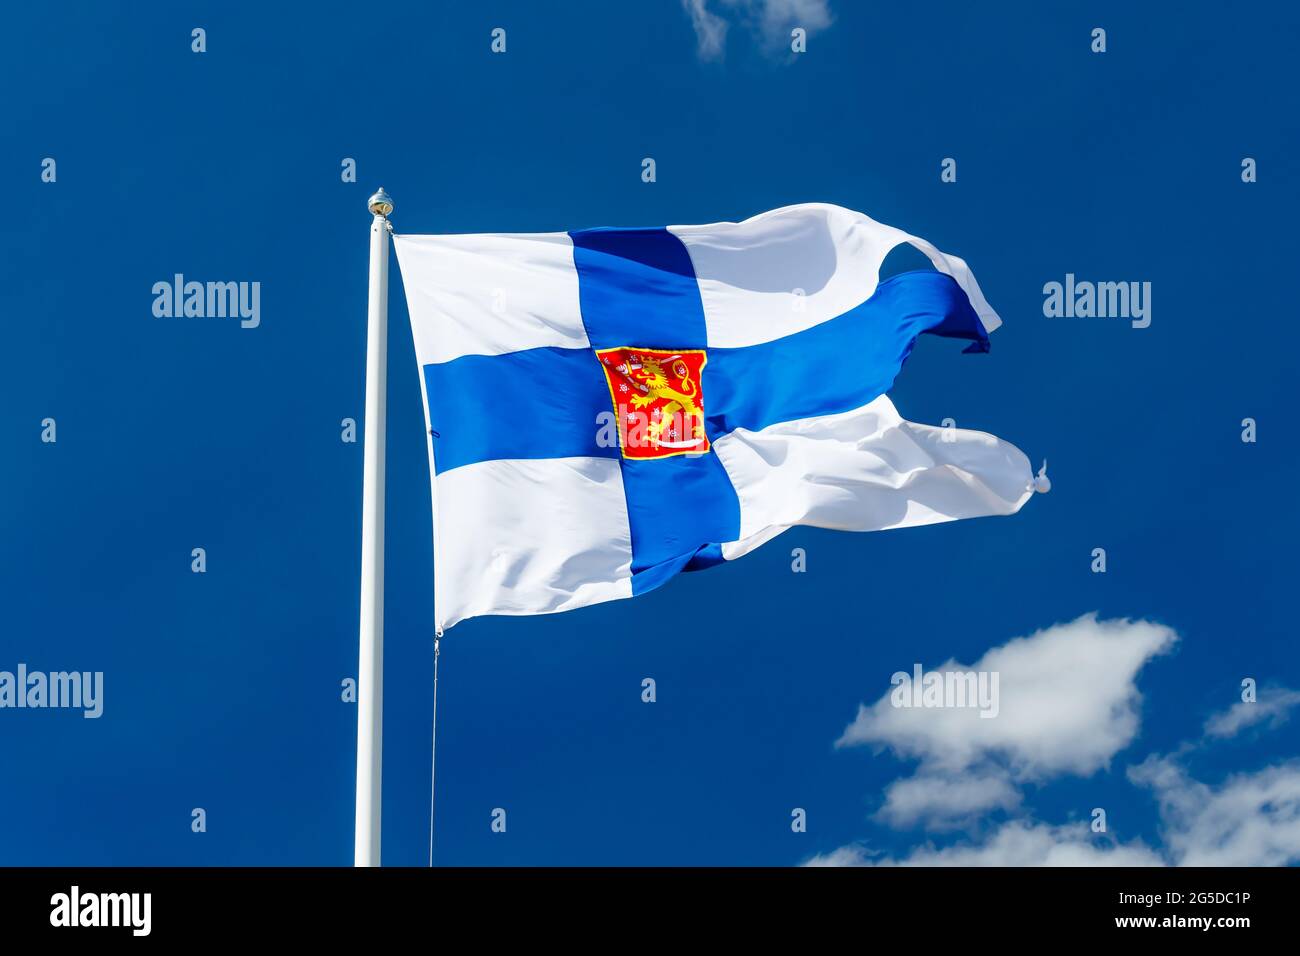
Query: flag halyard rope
[(433, 752)]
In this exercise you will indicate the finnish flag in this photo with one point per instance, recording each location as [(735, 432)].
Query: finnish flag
[(608, 407)]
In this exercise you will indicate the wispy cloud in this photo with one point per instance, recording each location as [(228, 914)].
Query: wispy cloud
[(710, 29), (1272, 708), (1016, 843), (777, 18), (1252, 819), (944, 801), (769, 20)]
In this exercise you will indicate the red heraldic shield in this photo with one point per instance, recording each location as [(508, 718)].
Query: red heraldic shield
[(658, 400)]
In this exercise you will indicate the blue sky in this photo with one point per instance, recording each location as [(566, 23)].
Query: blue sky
[(222, 690)]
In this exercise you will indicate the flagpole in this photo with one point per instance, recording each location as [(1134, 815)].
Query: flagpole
[(370, 674)]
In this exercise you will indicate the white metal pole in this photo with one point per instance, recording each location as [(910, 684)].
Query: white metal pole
[(370, 674)]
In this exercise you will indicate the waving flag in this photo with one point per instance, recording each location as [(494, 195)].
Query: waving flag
[(608, 407)]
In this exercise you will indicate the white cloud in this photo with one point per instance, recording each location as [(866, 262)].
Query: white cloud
[(1272, 707), (770, 20), (844, 856), (1016, 843), (1251, 819), (941, 801), (1068, 702)]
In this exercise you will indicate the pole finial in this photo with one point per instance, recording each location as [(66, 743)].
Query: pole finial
[(381, 204)]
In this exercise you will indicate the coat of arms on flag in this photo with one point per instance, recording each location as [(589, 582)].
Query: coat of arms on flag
[(658, 404)]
